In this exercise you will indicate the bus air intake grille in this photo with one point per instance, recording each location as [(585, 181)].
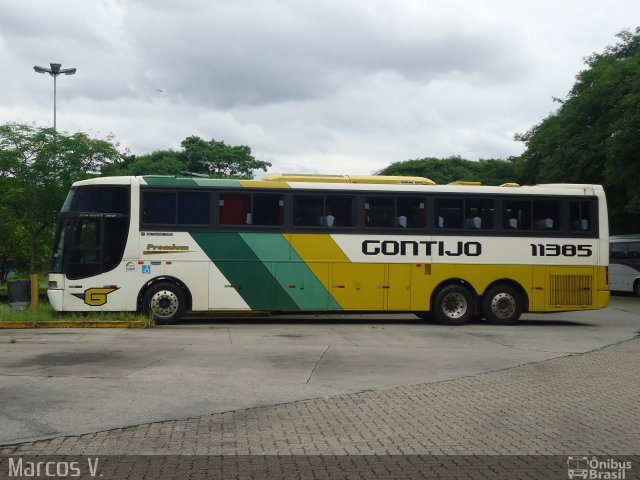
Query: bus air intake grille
[(571, 290)]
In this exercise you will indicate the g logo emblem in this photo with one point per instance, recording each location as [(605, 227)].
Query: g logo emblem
[(96, 297)]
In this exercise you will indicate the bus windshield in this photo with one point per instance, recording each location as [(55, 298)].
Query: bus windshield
[(92, 231)]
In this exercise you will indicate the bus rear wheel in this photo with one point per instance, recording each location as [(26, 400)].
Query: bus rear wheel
[(636, 288), (453, 305), (502, 305), (165, 303)]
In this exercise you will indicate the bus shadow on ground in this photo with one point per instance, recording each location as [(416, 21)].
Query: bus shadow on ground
[(203, 320)]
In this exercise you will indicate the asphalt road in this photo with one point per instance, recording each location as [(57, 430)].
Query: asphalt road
[(68, 382)]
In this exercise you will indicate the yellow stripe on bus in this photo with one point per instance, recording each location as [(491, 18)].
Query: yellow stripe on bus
[(263, 184)]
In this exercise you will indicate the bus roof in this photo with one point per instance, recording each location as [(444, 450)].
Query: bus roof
[(346, 182), (370, 179)]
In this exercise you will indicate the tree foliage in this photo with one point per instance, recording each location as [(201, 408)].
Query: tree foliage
[(219, 159), (446, 170), (594, 136), (160, 162), (208, 157), (37, 167)]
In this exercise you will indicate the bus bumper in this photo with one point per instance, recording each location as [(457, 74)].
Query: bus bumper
[(602, 298), (55, 299)]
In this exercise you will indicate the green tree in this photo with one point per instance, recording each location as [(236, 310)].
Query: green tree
[(160, 162), (218, 159), (37, 167), (446, 170), (594, 135), (213, 158)]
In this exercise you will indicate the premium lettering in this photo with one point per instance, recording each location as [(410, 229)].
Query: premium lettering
[(166, 248)]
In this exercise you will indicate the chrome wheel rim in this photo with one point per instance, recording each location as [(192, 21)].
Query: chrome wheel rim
[(164, 304), (454, 305), (503, 305)]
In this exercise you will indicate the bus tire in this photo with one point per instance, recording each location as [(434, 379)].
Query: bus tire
[(165, 302), (453, 305), (502, 305)]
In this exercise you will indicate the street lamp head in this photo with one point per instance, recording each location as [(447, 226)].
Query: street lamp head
[(54, 71)]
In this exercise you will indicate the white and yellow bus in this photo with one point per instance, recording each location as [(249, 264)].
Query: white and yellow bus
[(303, 243)]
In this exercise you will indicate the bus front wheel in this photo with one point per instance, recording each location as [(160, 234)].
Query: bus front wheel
[(502, 305), (453, 305), (165, 303)]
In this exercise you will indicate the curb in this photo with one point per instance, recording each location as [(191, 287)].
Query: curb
[(72, 324)]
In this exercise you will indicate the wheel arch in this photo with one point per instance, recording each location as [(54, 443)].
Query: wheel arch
[(160, 279), (514, 284)]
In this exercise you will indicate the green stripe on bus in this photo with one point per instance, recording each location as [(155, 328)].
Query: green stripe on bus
[(166, 181), (253, 279), (169, 181), (291, 272), (213, 182)]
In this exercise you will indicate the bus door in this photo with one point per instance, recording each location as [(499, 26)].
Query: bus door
[(93, 244), (399, 286), (359, 286)]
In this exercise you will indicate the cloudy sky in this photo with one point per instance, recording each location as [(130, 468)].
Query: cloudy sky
[(322, 86)]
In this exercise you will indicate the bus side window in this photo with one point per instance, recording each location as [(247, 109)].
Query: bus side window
[(380, 212), (159, 208), (268, 209), (580, 216), (235, 209), (478, 213), (308, 210), (516, 215), (618, 251), (193, 208), (448, 213), (634, 251), (410, 212), (341, 208), (546, 215)]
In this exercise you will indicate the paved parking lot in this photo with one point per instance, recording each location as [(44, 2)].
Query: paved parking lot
[(388, 386), (586, 404)]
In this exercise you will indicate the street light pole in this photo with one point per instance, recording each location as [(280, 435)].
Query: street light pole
[(54, 71)]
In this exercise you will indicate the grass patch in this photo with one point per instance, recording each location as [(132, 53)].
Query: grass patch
[(45, 313), (41, 314)]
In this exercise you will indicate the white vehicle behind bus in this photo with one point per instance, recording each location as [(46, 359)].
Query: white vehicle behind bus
[(624, 264)]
